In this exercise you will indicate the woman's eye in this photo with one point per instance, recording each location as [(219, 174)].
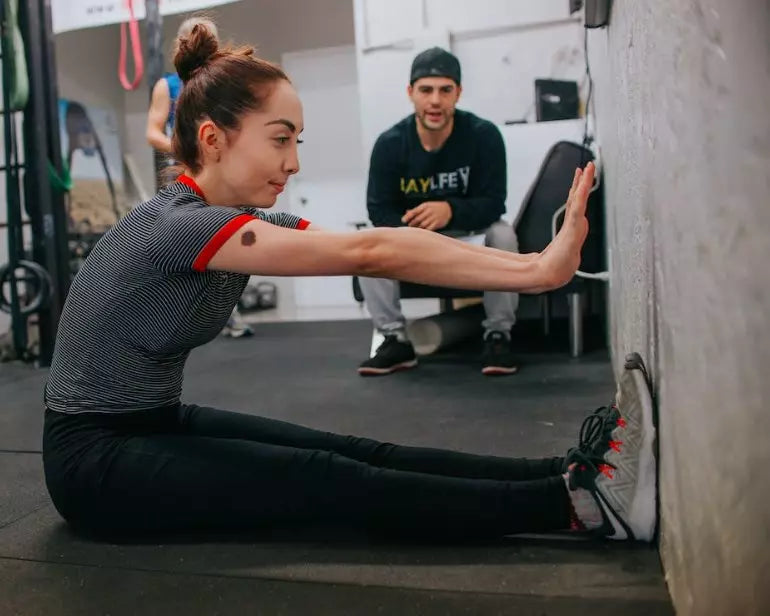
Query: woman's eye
[(282, 140)]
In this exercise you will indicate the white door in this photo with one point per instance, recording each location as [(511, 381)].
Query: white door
[(330, 189), (383, 74)]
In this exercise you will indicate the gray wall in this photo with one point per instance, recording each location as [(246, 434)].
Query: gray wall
[(682, 91)]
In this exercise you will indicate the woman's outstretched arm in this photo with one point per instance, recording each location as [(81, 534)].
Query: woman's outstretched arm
[(410, 254)]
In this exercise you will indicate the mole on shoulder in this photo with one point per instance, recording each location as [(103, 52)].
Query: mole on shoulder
[(248, 238)]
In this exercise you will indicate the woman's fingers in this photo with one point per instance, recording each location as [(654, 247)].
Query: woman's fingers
[(580, 197), (575, 182)]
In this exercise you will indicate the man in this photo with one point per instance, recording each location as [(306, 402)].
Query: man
[(160, 128), (444, 170)]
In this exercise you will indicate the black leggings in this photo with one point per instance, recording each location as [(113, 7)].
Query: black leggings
[(187, 467)]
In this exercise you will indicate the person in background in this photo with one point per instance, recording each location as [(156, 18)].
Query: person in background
[(440, 169), (160, 128)]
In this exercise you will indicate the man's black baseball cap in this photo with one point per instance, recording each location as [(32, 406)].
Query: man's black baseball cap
[(435, 62)]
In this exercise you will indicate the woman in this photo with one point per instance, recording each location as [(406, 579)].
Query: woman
[(121, 453), (160, 128)]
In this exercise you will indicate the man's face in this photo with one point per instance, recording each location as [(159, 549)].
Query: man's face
[(434, 100)]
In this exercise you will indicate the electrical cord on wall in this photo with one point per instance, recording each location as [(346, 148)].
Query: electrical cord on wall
[(587, 142), (605, 276), (586, 139)]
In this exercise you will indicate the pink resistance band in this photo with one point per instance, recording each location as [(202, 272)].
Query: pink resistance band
[(133, 28)]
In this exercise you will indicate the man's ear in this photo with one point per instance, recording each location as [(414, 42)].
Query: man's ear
[(459, 91)]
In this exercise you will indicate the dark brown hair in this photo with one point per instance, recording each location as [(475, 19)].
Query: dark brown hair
[(221, 84)]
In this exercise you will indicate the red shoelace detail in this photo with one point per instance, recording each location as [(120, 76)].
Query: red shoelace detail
[(606, 469), (621, 422), (615, 445)]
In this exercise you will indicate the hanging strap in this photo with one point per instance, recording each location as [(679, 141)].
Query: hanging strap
[(14, 47), (61, 183), (131, 28)]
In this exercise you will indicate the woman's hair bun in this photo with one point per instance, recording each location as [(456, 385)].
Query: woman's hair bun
[(195, 50)]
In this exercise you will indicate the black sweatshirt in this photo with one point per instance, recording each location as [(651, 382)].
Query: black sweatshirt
[(469, 172)]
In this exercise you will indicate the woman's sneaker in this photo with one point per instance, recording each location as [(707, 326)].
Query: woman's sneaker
[(601, 430), (623, 480), (392, 355)]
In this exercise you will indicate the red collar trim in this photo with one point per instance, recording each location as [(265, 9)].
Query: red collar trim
[(188, 181)]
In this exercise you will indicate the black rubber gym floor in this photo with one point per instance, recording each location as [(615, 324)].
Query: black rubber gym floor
[(305, 372)]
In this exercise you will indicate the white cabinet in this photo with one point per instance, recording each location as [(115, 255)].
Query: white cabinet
[(502, 45), (460, 16), (383, 77), (499, 70), (387, 21)]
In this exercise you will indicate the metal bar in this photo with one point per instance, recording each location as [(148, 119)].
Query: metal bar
[(154, 24), (55, 155), (575, 324), (13, 199), (5, 225), (39, 200)]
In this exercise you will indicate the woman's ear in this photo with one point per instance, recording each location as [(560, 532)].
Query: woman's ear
[(211, 140)]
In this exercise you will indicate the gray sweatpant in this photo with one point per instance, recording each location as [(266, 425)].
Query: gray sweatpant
[(383, 298)]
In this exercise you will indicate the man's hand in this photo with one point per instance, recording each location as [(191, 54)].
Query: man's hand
[(431, 215)]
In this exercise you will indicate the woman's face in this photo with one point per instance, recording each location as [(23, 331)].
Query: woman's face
[(258, 159)]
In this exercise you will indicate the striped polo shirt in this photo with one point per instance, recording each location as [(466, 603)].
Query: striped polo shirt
[(143, 300)]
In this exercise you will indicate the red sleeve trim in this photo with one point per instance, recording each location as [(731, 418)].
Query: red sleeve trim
[(302, 224), (217, 241)]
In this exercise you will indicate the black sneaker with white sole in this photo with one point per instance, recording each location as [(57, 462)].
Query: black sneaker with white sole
[(497, 358), (392, 355), (623, 480)]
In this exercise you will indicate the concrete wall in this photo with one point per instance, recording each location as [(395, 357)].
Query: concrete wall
[(682, 91)]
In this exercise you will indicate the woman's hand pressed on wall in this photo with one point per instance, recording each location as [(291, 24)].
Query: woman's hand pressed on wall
[(561, 258)]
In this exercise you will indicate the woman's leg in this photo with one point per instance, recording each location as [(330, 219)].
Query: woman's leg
[(204, 421), (162, 482)]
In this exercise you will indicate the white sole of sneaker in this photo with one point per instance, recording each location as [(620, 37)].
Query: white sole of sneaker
[(383, 371), (498, 370), (635, 404)]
